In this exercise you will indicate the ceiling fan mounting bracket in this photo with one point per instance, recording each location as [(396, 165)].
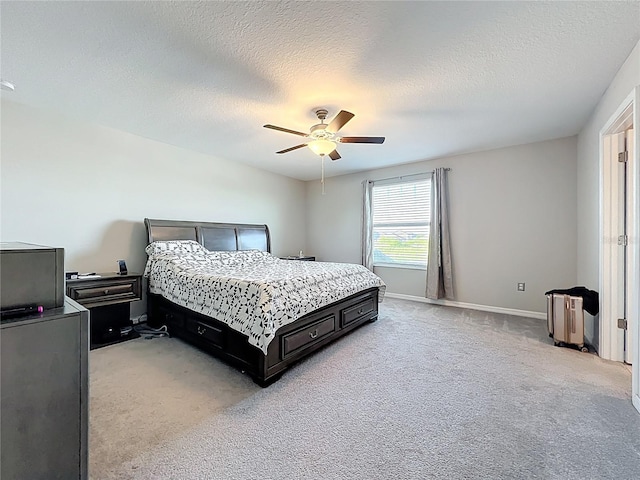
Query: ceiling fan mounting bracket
[(322, 113)]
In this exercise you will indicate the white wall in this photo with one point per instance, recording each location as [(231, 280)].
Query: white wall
[(513, 219), (88, 189), (625, 80)]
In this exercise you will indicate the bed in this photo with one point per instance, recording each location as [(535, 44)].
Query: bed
[(261, 328)]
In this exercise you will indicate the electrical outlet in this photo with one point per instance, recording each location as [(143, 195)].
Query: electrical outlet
[(521, 287)]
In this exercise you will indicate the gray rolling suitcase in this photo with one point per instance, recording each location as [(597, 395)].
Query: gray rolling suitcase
[(565, 320)]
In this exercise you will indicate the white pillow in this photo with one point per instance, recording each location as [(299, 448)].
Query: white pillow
[(240, 257), (175, 246)]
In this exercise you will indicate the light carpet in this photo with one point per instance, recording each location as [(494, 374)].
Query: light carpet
[(425, 392)]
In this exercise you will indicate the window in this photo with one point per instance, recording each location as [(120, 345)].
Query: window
[(401, 213)]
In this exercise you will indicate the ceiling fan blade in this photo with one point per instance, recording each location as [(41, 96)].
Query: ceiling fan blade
[(292, 148), (339, 121), (335, 155), (273, 127), (362, 140)]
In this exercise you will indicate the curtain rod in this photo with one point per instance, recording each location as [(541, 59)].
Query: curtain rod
[(399, 177)]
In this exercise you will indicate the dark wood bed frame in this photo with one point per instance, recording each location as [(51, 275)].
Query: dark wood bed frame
[(292, 343)]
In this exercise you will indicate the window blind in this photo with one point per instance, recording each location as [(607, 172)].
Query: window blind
[(401, 213)]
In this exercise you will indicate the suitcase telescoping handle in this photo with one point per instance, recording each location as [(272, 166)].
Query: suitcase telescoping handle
[(570, 307)]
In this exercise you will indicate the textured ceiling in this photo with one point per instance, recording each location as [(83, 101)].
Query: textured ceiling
[(435, 78)]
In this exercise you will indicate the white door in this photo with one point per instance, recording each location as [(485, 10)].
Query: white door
[(619, 147), (633, 252), (612, 286), (627, 268), (616, 343)]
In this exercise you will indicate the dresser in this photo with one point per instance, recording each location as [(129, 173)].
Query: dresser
[(44, 395)]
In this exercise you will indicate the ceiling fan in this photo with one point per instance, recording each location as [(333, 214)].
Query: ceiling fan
[(323, 138)]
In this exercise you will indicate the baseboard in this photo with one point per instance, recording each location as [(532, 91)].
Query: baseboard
[(470, 306)]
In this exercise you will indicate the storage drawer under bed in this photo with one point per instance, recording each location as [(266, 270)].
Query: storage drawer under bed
[(308, 335), (213, 335), (357, 311)]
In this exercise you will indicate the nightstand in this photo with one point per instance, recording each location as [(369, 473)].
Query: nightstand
[(107, 296), (295, 257)]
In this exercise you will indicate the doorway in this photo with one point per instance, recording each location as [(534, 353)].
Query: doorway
[(619, 335)]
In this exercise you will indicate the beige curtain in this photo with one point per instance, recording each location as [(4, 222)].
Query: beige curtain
[(367, 226), (439, 271)]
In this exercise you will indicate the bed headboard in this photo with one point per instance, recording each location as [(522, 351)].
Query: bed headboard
[(213, 236)]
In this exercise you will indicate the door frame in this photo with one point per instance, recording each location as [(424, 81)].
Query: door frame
[(611, 339)]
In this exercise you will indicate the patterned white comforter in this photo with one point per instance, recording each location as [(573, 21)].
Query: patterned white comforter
[(253, 292)]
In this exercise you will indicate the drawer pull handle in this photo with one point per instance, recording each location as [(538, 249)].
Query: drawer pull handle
[(201, 330), (314, 334), (106, 291), (360, 312)]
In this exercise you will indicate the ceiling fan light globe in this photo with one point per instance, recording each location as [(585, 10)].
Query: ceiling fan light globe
[(322, 147)]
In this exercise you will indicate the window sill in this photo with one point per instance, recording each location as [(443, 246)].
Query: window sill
[(396, 265)]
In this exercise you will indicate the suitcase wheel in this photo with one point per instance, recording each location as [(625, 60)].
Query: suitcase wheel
[(556, 344), (584, 349)]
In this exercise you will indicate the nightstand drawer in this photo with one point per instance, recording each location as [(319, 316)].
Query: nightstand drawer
[(105, 291)]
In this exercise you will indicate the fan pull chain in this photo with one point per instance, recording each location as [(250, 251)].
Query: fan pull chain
[(322, 181)]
